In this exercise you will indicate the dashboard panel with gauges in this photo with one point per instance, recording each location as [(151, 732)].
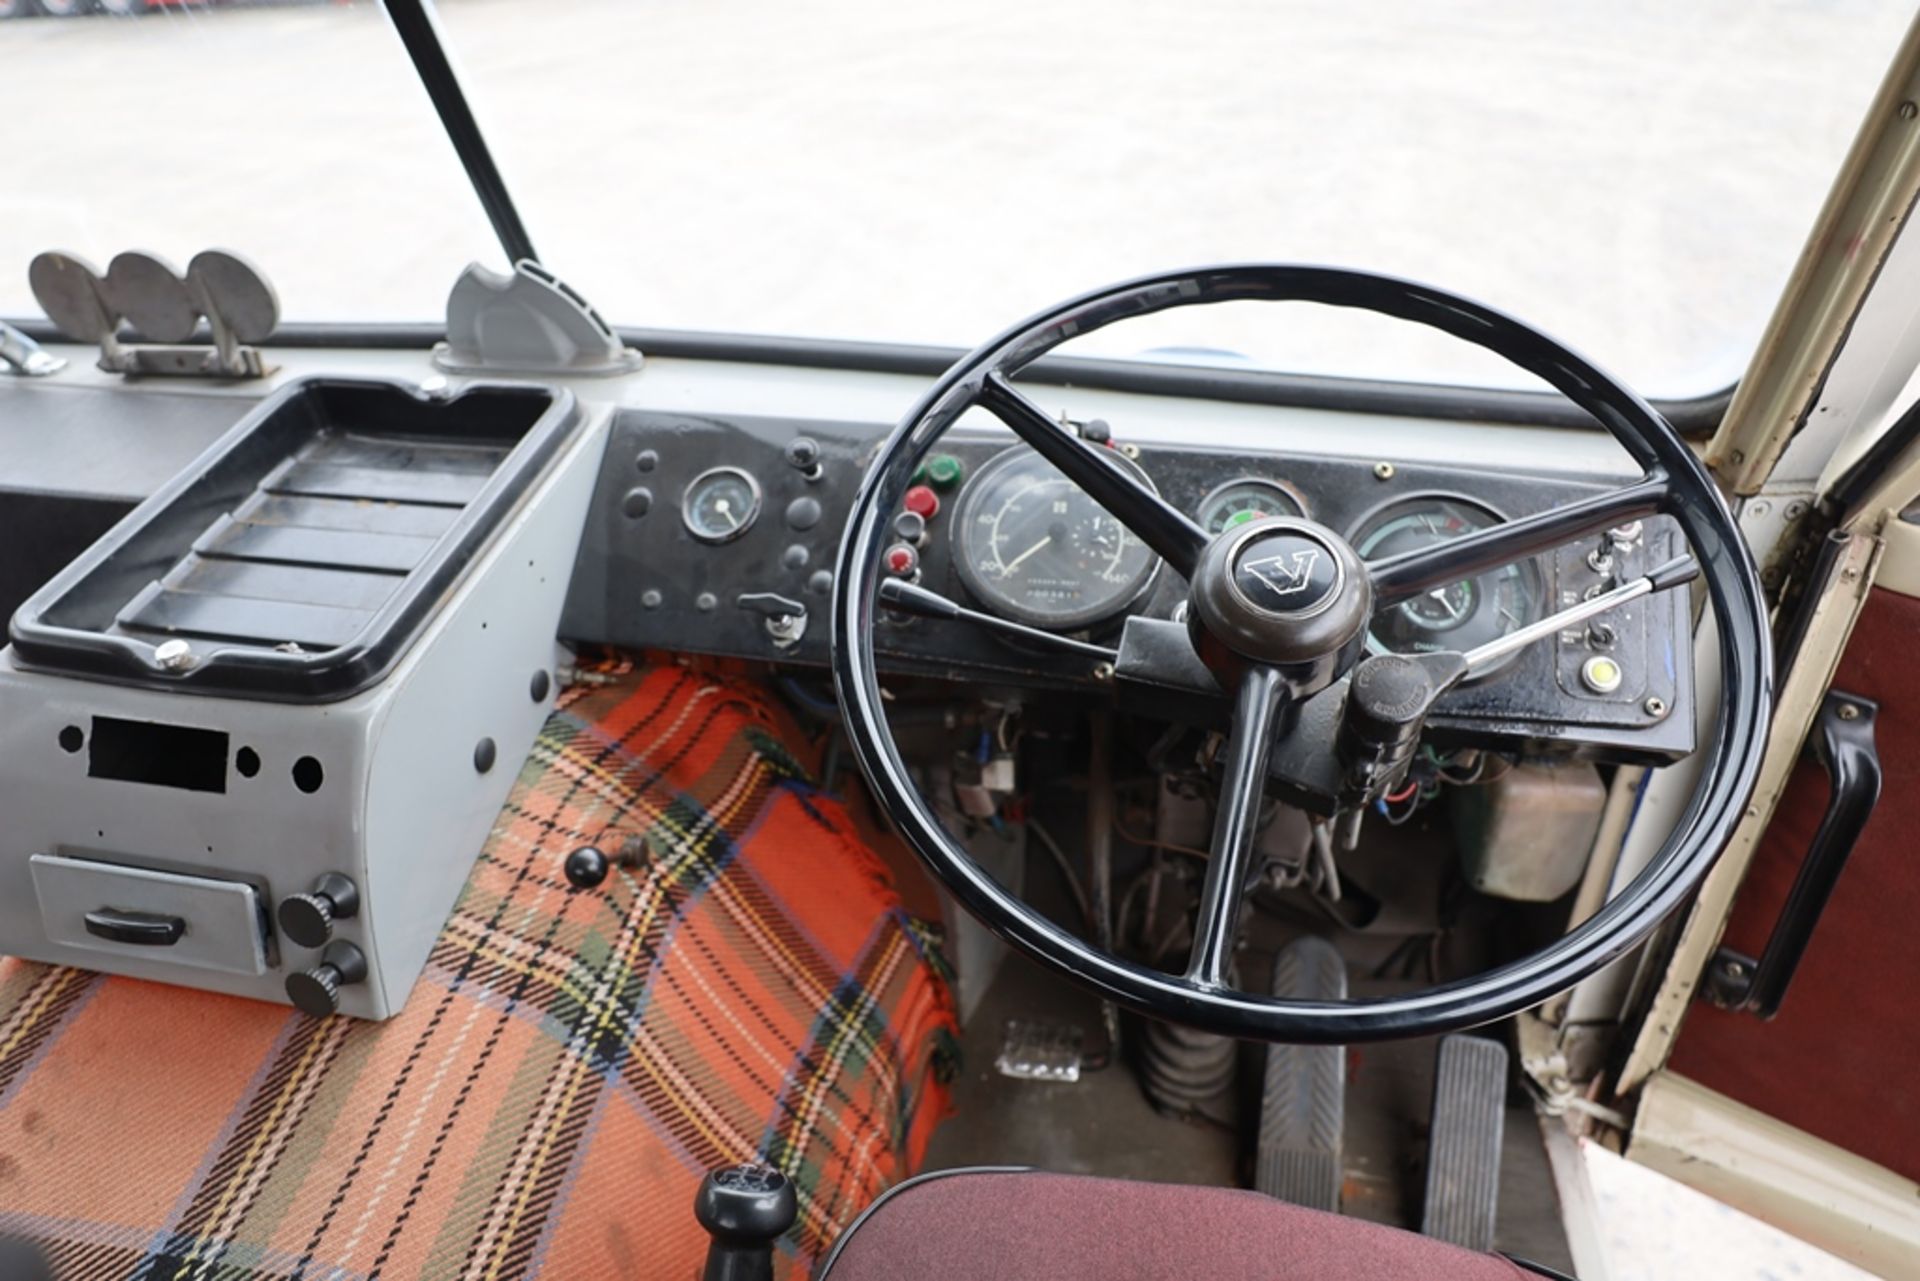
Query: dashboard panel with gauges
[(718, 535)]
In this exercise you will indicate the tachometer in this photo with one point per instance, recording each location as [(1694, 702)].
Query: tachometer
[(1458, 616), (1249, 498), (1032, 547)]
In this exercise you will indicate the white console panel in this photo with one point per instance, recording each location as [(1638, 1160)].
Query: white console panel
[(401, 807)]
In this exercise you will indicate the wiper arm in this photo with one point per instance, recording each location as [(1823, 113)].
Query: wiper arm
[(420, 33), (23, 357)]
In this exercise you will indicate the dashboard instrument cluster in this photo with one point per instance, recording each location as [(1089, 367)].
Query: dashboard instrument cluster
[(718, 535)]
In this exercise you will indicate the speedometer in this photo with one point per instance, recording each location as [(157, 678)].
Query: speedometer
[(1458, 616), (1034, 548)]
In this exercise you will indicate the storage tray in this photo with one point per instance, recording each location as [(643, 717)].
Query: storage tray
[(303, 552)]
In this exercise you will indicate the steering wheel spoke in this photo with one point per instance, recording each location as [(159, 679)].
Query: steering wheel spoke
[(1156, 522), (1402, 577), (1256, 717)]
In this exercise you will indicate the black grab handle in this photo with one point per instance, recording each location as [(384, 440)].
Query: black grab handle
[(1843, 744)]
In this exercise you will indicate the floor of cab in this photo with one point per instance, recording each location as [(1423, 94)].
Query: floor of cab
[(1105, 1125)]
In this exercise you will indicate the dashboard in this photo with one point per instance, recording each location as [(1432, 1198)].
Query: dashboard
[(717, 534)]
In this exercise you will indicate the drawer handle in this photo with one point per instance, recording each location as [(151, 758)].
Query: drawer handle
[(143, 929)]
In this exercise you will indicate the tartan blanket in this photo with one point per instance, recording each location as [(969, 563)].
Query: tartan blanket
[(566, 1069)]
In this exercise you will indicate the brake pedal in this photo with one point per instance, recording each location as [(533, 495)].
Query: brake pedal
[(1463, 1152), (1041, 1050), (1303, 1107)]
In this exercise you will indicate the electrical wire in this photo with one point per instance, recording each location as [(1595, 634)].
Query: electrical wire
[(1052, 847)]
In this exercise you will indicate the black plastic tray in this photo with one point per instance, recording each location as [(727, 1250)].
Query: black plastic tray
[(303, 552)]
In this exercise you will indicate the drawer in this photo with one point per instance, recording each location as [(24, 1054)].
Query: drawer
[(142, 915)]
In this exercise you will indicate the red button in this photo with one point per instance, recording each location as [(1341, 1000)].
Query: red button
[(902, 560), (922, 502)]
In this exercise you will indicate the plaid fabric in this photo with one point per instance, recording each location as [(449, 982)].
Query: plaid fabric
[(568, 1067)]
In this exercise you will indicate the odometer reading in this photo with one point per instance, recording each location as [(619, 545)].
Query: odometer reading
[(1458, 616), (1032, 547)]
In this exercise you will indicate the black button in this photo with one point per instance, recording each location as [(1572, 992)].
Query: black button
[(803, 513)]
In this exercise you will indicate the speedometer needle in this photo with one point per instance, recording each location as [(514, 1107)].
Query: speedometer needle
[(1014, 564)]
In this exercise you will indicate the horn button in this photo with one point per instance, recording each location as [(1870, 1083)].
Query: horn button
[(1285, 592)]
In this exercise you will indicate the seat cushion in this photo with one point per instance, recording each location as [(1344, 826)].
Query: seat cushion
[(1024, 1225), (567, 1068)]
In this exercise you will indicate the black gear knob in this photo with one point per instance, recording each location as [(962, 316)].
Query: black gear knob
[(745, 1209)]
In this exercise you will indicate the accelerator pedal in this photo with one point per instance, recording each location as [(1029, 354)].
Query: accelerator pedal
[(1303, 1108), (1463, 1153)]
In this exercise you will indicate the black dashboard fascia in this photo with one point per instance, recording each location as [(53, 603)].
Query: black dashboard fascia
[(643, 581)]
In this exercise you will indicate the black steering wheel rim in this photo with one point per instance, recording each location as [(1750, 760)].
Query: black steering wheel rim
[(1728, 771)]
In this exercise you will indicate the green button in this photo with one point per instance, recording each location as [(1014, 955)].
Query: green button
[(944, 471)]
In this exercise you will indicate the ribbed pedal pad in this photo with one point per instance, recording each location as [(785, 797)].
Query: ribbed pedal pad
[(1463, 1154), (1304, 1106)]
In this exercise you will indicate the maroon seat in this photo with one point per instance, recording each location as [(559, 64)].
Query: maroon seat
[(1024, 1225)]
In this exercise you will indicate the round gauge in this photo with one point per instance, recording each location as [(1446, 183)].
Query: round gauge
[(1459, 616), (1032, 547), (720, 504), (1239, 501)]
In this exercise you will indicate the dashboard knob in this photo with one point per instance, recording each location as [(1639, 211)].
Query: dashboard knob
[(308, 918), (902, 560), (910, 527), (803, 452), (922, 502), (586, 868), (317, 991)]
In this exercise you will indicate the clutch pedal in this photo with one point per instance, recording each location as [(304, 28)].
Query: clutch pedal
[(1463, 1152), (1304, 1104)]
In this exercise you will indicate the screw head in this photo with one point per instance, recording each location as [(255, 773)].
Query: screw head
[(1849, 712), (174, 655), (1383, 471), (1103, 672), (1655, 705)]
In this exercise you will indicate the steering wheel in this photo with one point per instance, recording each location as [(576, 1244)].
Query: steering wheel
[(1279, 612)]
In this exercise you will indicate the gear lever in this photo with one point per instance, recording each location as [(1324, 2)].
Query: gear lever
[(745, 1209)]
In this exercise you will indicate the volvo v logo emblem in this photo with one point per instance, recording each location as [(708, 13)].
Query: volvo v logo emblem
[(1286, 572), (1283, 578)]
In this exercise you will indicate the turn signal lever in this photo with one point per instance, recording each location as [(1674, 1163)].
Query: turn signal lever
[(745, 1209)]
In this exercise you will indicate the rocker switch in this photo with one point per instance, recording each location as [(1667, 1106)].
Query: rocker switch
[(308, 918)]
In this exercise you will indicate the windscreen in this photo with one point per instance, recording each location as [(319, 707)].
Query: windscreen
[(1636, 178)]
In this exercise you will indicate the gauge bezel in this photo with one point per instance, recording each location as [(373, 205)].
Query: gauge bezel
[(1287, 491), (1528, 565), (694, 486), (958, 543)]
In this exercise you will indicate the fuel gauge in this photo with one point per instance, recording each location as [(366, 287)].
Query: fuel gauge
[(720, 504)]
